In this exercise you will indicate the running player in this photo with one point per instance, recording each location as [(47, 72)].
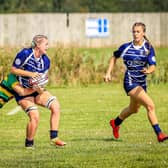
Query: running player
[(30, 63), (139, 59)]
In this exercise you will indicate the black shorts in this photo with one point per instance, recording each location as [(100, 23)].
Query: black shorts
[(18, 98), (129, 87)]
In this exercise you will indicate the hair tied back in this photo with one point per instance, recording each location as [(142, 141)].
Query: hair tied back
[(33, 44)]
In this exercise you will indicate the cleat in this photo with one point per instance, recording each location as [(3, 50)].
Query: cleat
[(115, 129), (162, 137), (57, 142), (30, 147)]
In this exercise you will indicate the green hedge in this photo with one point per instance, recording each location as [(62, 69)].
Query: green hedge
[(72, 66)]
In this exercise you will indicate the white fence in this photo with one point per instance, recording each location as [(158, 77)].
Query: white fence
[(19, 29)]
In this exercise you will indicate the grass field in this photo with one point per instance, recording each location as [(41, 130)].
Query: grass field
[(84, 125)]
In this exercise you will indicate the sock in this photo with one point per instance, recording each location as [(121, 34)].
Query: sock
[(118, 121), (53, 134), (29, 142), (156, 128)]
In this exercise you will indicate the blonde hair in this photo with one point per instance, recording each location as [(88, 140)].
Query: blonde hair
[(37, 39)]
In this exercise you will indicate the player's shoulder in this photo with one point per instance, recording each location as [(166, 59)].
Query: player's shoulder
[(148, 45), (121, 49), (11, 75), (125, 45), (45, 57), (11, 79), (26, 51)]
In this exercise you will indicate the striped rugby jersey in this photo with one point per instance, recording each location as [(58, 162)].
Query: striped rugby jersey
[(135, 59), (26, 60)]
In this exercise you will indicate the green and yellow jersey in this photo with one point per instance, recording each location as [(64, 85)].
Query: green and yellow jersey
[(6, 88)]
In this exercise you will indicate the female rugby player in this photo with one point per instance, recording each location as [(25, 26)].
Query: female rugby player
[(30, 63), (139, 59)]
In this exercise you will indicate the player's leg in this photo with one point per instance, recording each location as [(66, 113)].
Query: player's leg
[(45, 99), (131, 109), (142, 97), (29, 107), (125, 113)]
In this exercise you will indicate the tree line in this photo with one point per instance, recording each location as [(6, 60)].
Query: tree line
[(82, 6)]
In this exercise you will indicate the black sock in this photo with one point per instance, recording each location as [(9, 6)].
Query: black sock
[(53, 134), (118, 121), (156, 128), (29, 142)]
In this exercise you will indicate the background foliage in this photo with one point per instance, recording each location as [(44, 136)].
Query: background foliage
[(23, 6), (75, 66)]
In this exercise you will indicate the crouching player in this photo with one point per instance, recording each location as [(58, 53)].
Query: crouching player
[(9, 86)]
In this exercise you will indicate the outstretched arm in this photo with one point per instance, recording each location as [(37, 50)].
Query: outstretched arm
[(107, 77)]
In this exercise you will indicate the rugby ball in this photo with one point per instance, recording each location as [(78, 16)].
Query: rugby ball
[(39, 81)]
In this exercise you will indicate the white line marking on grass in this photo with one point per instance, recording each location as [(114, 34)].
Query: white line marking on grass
[(14, 111)]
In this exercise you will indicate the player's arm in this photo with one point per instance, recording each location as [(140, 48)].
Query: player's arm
[(26, 91), (21, 72), (151, 62), (107, 77), (22, 91), (116, 55), (149, 70), (19, 62)]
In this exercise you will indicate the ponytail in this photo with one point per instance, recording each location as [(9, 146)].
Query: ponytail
[(149, 45)]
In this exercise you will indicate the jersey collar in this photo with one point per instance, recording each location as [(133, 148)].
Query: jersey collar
[(138, 46)]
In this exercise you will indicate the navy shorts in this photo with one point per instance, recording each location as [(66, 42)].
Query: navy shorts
[(18, 98), (129, 87)]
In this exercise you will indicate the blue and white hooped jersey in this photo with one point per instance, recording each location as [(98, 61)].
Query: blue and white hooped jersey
[(26, 60), (135, 59)]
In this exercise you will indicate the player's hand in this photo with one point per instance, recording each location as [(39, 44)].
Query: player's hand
[(35, 75), (107, 77), (39, 89), (145, 71)]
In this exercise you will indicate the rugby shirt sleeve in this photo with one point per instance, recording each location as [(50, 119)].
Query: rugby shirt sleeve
[(118, 52), (151, 57), (19, 59)]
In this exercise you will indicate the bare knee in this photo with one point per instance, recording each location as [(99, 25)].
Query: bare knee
[(55, 110), (34, 117), (55, 107), (135, 109), (150, 107)]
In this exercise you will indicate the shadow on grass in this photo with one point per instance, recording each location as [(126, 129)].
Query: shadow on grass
[(97, 139), (113, 139)]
